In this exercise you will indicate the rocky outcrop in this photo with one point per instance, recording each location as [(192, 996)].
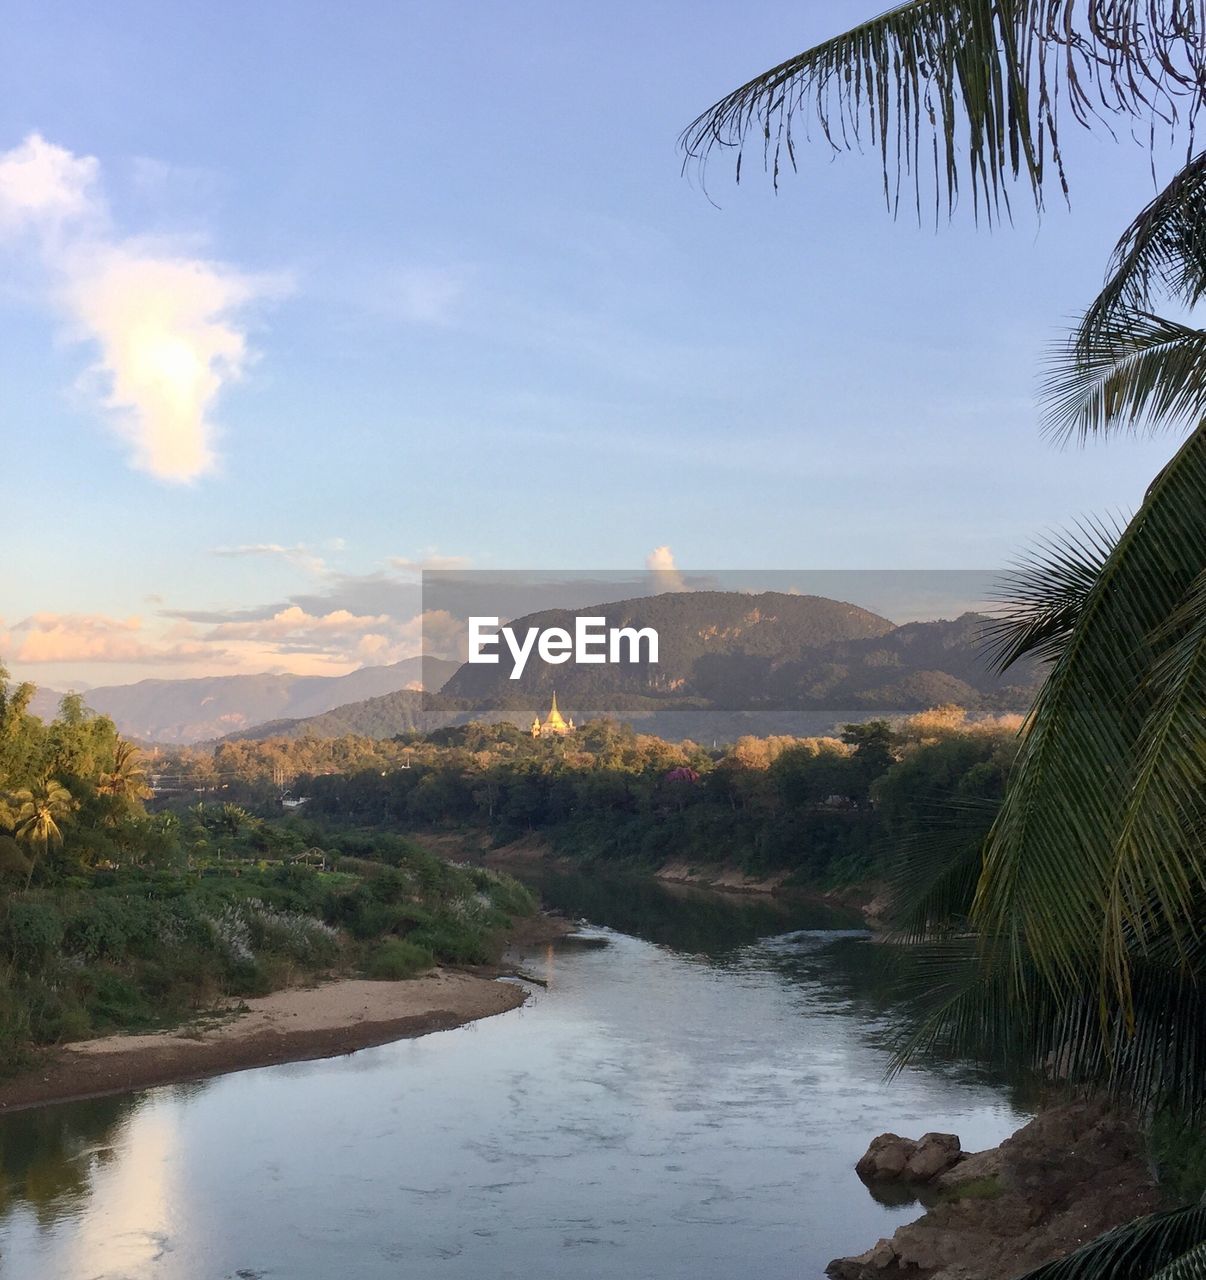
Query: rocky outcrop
[(1071, 1174), (892, 1157)]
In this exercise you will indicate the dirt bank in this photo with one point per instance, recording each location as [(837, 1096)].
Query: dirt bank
[(1074, 1172)]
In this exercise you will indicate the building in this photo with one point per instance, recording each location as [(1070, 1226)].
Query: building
[(554, 725)]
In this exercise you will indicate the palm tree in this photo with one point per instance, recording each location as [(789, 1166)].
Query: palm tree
[(968, 93), (40, 810), (1089, 892), (127, 780)]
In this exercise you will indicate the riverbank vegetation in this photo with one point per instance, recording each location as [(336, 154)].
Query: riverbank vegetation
[(827, 811), (113, 918)]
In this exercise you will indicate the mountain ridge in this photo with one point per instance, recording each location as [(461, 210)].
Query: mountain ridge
[(179, 712)]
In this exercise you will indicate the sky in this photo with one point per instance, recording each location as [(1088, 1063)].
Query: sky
[(297, 298)]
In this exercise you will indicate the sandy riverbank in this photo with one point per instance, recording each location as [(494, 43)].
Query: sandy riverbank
[(288, 1026), (296, 1025)]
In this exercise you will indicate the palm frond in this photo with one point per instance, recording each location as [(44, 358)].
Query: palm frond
[(933, 874), (1039, 601), (1050, 858), (1137, 371), (1162, 253), (1191, 1265), (965, 1000), (1160, 869), (969, 88), (1135, 1251)]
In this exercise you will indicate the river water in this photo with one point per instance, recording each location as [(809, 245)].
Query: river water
[(686, 1101)]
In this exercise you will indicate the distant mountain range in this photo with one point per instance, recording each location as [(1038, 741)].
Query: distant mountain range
[(185, 711), (729, 663)]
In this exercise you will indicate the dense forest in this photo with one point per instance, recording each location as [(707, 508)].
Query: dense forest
[(826, 809)]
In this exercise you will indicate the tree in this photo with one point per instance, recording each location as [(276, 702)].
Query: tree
[(126, 781), (1091, 899), (40, 810)]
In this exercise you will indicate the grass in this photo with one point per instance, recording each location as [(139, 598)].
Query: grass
[(988, 1188)]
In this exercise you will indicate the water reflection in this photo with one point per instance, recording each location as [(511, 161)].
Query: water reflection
[(49, 1155), (690, 920)]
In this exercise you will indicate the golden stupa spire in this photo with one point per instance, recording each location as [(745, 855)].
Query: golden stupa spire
[(554, 723)]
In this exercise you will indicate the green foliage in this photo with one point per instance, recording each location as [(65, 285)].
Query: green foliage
[(397, 958), (826, 810), (30, 933), (127, 948), (986, 1188)]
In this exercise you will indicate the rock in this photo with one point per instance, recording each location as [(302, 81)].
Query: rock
[(891, 1156), (878, 1258), (934, 1154), (886, 1157)]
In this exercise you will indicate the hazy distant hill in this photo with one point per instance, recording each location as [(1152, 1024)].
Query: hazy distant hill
[(731, 664), (184, 711), (405, 711), (694, 627)]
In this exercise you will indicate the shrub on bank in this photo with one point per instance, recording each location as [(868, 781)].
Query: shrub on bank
[(396, 958)]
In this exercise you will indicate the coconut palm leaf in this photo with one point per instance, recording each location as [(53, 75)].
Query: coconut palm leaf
[(1189, 1266), (1039, 602), (1163, 252), (932, 876), (1137, 1251), (127, 779), (40, 809), (964, 999), (1160, 868), (969, 88), (1049, 861), (1135, 371)]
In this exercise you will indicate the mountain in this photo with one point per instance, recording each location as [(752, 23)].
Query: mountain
[(695, 628), (729, 664), (404, 711), (186, 711)]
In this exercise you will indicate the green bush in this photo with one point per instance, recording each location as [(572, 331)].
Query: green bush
[(31, 933), (55, 1013), (115, 1001), (98, 930), (455, 941), (397, 958)]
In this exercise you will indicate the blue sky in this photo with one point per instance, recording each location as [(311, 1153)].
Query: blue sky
[(454, 301)]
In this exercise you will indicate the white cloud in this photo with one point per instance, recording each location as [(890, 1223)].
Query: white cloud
[(41, 183), (660, 563), (91, 637), (428, 562), (336, 637), (300, 554), (166, 323)]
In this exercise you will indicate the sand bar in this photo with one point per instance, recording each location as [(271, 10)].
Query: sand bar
[(294, 1025)]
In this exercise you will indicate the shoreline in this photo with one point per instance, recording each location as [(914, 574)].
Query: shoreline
[(297, 1024), (868, 898)]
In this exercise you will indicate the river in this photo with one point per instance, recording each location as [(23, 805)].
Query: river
[(686, 1101)]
